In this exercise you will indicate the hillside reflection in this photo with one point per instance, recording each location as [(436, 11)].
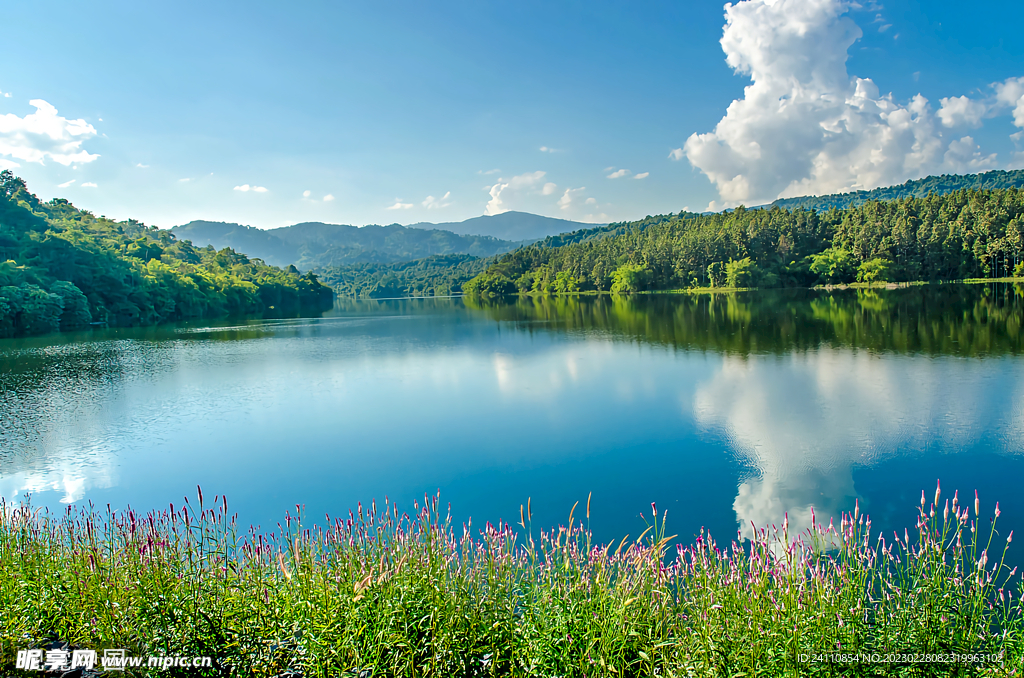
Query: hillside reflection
[(966, 320)]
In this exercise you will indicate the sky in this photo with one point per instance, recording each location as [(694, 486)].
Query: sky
[(271, 114)]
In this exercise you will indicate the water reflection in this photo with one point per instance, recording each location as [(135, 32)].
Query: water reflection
[(728, 408), (805, 421)]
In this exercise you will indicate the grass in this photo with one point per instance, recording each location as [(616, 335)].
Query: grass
[(383, 594)]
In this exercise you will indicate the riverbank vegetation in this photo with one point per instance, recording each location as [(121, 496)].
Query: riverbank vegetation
[(63, 268), (963, 234), (386, 594)]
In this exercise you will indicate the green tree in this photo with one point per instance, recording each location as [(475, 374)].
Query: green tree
[(875, 270), (834, 266), (630, 278)]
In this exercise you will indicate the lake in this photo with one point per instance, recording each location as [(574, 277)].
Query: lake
[(725, 409)]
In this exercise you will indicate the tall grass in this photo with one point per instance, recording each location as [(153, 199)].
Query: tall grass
[(384, 594)]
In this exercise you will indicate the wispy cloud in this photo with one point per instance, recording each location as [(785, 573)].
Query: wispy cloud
[(618, 174), (677, 154), (7, 95), (548, 149), (139, 164), (89, 184), (44, 135), (66, 183), (245, 188), (328, 198), (549, 188), (487, 172), (505, 190), (184, 180), (399, 205), (432, 203), (306, 194), (642, 175)]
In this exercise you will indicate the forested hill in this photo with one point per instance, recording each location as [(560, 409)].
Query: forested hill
[(436, 276), (919, 188), (964, 234), (62, 268), (314, 245)]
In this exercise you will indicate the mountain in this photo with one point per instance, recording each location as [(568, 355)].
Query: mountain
[(515, 226), (919, 188), (314, 245)]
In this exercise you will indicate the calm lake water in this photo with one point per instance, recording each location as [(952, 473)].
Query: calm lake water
[(723, 409)]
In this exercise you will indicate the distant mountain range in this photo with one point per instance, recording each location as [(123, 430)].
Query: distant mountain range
[(315, 245), (919, 188), (515, 226)]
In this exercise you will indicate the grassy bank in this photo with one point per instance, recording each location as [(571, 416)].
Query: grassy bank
[(383, 594)]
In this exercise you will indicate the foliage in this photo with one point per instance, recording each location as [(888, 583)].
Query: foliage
[(384, 594), (630, 278), (436, 276), (487, 285), (918, 188), (875, 270), (961, 235), (62, 268), (834, 266)]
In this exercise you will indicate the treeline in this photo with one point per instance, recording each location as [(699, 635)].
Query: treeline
[(437, 276), (964, 234), (918, 188), (63, 268)]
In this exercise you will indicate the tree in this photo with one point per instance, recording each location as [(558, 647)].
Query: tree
[(875, 270), (630, 278), (834, 266)]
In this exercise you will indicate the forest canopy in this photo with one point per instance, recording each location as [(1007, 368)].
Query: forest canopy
[(64, 268), (960, 235)]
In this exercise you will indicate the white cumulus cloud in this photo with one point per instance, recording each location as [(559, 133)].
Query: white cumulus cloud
[(642, 175), (961, 110), (45, 135), (618, 174), (432, 203), (549, 188), (245, 188), (677, 154), (89, 184), (805, 125), (306, 194), (399, 205), (565, 202), (328, 198), (1011, 93), (964, 155), (506, 190)]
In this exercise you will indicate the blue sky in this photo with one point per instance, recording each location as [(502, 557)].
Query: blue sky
[(410, 111)]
